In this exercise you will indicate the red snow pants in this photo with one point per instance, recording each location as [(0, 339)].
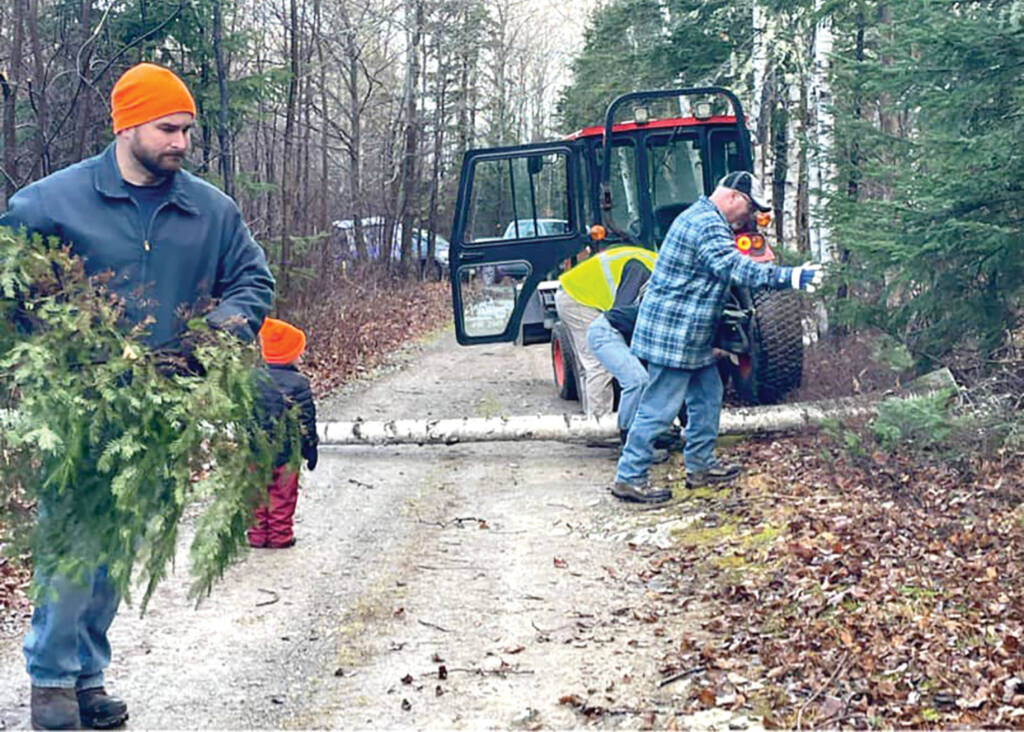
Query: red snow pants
[(273, 525)]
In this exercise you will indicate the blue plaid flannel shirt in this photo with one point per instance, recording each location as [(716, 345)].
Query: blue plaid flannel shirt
[(689, 287)]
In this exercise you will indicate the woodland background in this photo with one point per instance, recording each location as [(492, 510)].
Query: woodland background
[(889, 132)]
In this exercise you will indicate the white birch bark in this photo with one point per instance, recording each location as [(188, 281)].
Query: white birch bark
[(578, 428), (759, 64), (819, 166)]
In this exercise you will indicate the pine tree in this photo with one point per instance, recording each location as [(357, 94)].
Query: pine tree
[(929, 194)]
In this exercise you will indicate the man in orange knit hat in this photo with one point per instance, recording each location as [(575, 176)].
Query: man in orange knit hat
[(169, 241)]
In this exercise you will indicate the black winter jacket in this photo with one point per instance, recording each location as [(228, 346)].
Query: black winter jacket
[(281, 387)]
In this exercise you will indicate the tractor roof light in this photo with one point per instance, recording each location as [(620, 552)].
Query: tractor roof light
[(597, 232), (763, 218), (702, 110), (641, 115)]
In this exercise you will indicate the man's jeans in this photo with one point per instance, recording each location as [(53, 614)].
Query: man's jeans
[(660, 403), (67, 645), (609, 347)]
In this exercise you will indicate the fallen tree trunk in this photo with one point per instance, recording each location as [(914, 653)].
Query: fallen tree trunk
[(578, 428)]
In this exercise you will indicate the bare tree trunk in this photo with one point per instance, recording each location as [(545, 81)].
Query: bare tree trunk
[(37, 91), (407, 182), (322, 221), (820, 172), (578, 428), (206, 130), (307, 112), (287, 184), (355, 122), (11, 86), (223, 133), (440, 110), (82, 112)]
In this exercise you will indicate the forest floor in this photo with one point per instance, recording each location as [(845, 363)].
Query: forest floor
[(500, 585)]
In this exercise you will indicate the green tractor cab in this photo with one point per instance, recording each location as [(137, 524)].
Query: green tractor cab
[(525, 214)]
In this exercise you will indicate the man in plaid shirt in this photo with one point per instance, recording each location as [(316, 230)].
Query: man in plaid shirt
[(675, 331)]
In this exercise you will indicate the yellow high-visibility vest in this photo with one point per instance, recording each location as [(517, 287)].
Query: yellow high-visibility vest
[(593, 281)]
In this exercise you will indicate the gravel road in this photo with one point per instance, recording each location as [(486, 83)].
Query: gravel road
[(467, 586)]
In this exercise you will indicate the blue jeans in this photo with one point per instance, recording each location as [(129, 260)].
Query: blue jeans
[(610, 348), (67, 646), (701, 390)]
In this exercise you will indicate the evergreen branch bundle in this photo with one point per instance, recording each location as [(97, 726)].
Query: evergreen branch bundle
[(111, 449)]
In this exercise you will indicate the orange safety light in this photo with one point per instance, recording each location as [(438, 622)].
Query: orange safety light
[(743, 243), (763, 218), (597, 232)]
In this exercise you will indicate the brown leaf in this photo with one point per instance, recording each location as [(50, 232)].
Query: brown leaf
[(802, 550), (830, 707), (707, 697)]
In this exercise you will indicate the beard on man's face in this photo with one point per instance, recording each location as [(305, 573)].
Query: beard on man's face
[(158, 164)]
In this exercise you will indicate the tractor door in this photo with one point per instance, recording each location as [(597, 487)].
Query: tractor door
[(519, 213)]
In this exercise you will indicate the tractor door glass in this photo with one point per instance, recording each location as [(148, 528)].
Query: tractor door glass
[(675, 175), (525, 197), (488, 295), (725, 154), (623, 180)]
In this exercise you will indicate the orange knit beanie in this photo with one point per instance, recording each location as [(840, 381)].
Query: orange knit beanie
[(146, 92), (281, 342)]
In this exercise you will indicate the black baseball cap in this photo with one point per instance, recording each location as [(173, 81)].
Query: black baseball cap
[(747, 184)]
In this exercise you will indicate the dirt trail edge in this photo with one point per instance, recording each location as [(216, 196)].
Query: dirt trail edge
[(467, 586)]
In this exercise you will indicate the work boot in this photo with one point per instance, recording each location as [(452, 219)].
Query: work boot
[(640, 493), (99, 710), (54, 708), (717, 474)]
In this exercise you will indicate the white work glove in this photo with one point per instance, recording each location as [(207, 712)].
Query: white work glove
[(807, 277)]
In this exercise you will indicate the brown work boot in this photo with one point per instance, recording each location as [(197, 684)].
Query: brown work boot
[(640, 492), (99, 710), (54, 708), (717, 474)]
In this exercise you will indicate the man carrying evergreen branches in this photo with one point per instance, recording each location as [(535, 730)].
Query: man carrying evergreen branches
[(169, 241)]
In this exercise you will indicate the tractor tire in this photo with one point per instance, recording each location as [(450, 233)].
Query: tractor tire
[(774, 366), (563, 363)]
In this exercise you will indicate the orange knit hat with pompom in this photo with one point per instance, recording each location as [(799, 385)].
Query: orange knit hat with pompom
[(146, 92), (281, 342)]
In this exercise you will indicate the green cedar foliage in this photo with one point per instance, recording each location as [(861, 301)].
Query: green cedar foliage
[(930, 174), (111, 450)]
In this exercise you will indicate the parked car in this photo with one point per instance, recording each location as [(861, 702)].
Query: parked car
[(375, 236), (420, 247), (524, 228)]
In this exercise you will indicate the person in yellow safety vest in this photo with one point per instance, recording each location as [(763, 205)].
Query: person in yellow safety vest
[(586, 291)]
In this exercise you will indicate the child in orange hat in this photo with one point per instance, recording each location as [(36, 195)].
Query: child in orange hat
[(282, 344)]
